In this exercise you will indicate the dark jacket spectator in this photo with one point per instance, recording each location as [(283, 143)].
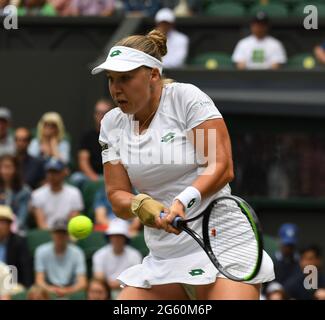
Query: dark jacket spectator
[(13, 192), (32, 168), (13, 248), (7, 144)]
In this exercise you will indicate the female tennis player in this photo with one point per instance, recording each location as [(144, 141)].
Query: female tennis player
[(154, 141)]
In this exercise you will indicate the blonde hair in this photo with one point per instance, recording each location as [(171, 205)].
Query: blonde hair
[(53, 117), (153, 43)]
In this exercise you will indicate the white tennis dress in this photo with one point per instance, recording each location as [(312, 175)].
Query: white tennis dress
[(162, 163)]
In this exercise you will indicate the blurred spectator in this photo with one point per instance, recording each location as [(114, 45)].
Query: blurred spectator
[(89, 154), (295, 285), (194, 6), (50, 141), (319, 52), (13, 192), (3, 4), (36, 7), (98, 289), (59, 265), (286, 260), (7, 144), (13, 248), (259, 50), (140, 7), (177, 42), (55, 200), (32, 169), (37, 293), (275, 291), (115, 257), (93, 7), (62, 8)]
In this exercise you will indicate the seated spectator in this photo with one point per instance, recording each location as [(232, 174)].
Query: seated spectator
[(35, 8), (89, 154), (7, 143), (37, 293), (295, 285), (286, 260), (13, 192), (60, 266), (115, 257), (183, 7), (13, 248), (3, 4), (259, 50), (55, 200), (275, 291), (50, 141), (93, 7), (32, 169), (177, 42), (319, 52), (141, 8), (98, 289)]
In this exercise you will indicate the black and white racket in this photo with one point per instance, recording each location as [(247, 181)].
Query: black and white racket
[(232, 237)]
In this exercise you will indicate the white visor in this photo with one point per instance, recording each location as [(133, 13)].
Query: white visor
[(122, 59)]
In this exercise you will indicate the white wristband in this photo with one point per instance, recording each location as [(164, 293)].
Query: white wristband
[(189, 197)]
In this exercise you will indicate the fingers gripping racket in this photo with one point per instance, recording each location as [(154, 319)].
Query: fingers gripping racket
[(232, 237)]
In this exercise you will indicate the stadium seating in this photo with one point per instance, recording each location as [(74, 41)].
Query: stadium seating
[(225, 9), (274, 10), (88, 194), (37, 237), (213, 60), (299, 9), (302, 61)]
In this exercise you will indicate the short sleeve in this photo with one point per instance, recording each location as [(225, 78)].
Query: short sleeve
[(81, 262), (98, 263), (279, 53), (39, 260), (76, 201), (36, 200), (239, 54), (199, 107), (109, 136)]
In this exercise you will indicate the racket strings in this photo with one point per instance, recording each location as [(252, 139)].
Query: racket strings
[(232, 239)]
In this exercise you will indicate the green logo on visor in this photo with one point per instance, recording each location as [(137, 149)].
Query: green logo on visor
[(115, 53)]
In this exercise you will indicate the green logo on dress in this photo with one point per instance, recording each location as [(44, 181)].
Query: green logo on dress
[(196, 272), (115, 53), (168, 137)]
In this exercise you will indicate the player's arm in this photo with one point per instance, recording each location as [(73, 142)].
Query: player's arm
[(84, 165), (219, 165), (119, 190)]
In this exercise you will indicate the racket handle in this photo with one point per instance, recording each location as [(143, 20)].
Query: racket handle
[(175, 222)]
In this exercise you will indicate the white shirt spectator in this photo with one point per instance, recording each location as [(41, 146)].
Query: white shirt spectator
[(177, 46), (111, 265), (259, 53), (57, 205), (7, 146)]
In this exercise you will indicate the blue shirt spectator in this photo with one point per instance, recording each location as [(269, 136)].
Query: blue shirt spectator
[(146, 8)]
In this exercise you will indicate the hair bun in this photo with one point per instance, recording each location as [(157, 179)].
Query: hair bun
[(159, 39)]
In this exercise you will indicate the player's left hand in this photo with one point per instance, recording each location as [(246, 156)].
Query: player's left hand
[(176, 209)]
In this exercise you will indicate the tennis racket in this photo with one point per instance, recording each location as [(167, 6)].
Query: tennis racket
[(232, 237)]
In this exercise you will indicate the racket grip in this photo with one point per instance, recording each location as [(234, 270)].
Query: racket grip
[(175, 222)]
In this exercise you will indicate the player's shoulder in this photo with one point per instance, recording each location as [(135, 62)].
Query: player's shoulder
[(114, 118)]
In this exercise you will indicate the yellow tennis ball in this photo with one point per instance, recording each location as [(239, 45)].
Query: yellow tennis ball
[(80, 227)]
